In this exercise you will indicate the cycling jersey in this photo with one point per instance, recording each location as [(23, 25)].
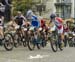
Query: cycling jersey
[(42, 23), (66, 29), (35, 22), (58, 23)]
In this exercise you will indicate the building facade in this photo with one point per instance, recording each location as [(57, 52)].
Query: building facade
[(63, 8), (50, 8)]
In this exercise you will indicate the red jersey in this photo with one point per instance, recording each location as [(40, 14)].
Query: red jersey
[(42, 23)]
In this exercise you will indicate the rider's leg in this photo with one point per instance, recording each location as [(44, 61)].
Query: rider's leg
[(62, 37), (61, 34)]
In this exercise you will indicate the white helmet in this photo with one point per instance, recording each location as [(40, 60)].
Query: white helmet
[(30, 12)]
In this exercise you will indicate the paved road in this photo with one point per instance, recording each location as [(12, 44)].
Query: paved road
[(22, 54)]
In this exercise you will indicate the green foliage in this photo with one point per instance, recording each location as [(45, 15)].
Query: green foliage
[(21, 5)]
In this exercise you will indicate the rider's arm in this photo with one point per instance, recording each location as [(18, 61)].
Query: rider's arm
[(24, 18), (14, 19)]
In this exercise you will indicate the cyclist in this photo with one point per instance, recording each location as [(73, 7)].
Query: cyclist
[(58, 22), (11, 24), (20, 19), (1, 28), (66, 31), (42, 23), (33, 18), (2, 10)]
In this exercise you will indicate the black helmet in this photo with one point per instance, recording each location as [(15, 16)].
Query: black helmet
[(52, 16)]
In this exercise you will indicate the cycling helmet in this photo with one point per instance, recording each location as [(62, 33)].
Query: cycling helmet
[(52, 16), (29, 13)]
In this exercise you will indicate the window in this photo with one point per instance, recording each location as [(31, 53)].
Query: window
[(58, 0), (62, 1), (57, 8)]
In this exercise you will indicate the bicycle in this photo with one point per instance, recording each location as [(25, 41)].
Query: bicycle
[(19, 38), (55, 41), (71, 39), (36, 38), (7, 41)]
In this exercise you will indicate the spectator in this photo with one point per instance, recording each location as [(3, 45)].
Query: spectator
[(7, 12)]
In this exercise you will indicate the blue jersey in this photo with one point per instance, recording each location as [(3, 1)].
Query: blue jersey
[(35, 22)]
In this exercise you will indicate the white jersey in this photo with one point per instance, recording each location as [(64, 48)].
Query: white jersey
[(1, 22)]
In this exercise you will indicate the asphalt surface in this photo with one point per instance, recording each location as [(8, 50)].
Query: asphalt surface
[(22, 54)]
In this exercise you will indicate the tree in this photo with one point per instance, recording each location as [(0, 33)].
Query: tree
[(21, 5)]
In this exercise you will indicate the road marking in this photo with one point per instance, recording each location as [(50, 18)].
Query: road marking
[(38, 56), (11, 60)]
